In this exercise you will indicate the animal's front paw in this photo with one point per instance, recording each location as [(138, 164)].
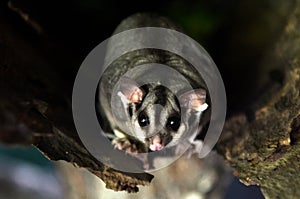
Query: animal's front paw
[(125, 144)]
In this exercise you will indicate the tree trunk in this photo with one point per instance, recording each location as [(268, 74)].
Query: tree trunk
[(262, 145)]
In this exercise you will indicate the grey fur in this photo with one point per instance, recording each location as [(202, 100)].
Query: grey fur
[(129, 61)]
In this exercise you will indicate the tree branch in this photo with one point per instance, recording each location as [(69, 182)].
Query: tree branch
[(35, 110)]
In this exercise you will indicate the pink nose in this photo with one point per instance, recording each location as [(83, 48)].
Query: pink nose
[(156, 143), (156, 147)]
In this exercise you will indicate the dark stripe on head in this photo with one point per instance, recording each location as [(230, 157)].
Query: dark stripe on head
[(161, 95)]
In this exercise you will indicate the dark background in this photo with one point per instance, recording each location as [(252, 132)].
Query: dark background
[(236, 33)]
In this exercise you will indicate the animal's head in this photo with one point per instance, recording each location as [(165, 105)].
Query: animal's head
[(155, 112)]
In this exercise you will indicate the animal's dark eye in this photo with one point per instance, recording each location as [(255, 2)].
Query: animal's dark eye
[(173, 123), (143, 119)]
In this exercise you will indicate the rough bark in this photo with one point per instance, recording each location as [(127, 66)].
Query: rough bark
[(34, 109), (263, 145)]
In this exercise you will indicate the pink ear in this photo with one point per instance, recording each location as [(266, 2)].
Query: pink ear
[(194, 99), (131, 90)]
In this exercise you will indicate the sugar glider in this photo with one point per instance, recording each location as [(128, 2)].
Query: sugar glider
[(144, 117)]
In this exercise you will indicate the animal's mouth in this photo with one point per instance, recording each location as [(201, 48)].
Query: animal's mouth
[(156, 143)]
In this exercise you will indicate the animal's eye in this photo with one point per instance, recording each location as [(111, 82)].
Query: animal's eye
[(173, 123), (143, 119)]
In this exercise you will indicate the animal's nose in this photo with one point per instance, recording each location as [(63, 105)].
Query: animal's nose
[(156, 143)]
